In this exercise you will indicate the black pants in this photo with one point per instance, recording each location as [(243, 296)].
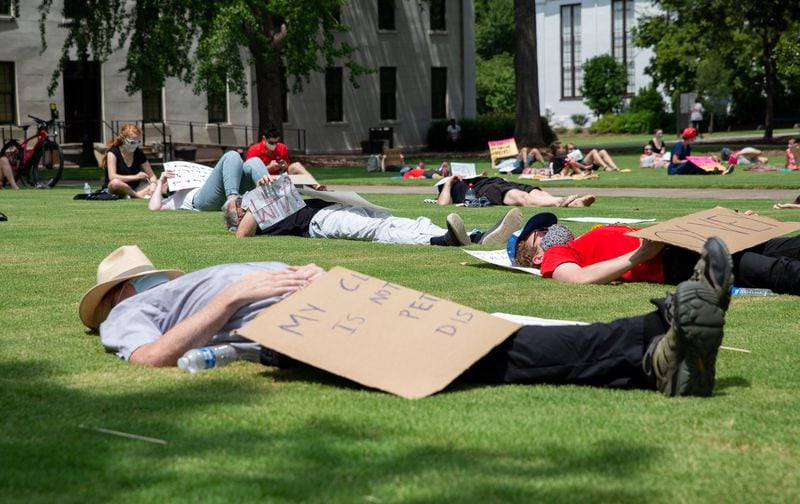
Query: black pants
[(772, 265), (608, 355)]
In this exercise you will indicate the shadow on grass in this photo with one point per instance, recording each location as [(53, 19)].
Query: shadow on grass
[(220, 449)]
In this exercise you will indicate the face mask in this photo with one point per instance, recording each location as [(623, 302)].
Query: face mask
[(130, 145), (146, 282)]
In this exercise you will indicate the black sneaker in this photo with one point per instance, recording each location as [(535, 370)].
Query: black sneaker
[(456, 234), (499, 233)]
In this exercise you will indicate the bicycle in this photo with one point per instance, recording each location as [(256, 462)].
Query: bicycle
[(39, 165)]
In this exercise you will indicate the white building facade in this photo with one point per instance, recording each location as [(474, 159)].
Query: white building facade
[(571, 32), (422, 55)]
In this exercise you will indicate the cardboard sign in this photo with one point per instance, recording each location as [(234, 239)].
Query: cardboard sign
[(500, 258), (273, 202), (300, 180), (706, 163), (377, 333), (465, 170), (737, 230), (499, 149), (186, 175), (345, 198)]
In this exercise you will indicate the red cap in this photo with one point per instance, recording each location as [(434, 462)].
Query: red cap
[(689, 134)]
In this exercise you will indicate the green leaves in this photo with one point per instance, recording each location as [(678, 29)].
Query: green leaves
[(604, 84)]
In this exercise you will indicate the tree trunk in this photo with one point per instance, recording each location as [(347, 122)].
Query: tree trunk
[(769, 81), (269, 71), (528, 126)]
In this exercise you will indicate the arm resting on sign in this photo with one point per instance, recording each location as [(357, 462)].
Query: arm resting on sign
[(607, 271), (198, 329)]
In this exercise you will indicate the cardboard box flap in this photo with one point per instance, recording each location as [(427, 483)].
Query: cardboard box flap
[(378, 334), (737, 230)]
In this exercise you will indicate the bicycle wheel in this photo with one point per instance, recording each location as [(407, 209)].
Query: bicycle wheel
[(12, 151), (46, 172)]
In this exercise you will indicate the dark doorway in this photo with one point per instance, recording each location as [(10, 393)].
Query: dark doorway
[(82, 101)]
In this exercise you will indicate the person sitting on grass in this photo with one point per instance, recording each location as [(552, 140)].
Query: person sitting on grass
[(151, 317), (651, 159), (501, 192), (563, 165), (607, 254), (680, 165), (792, 163), (271, 155), (7, 174), (128, 172), (324, 219)]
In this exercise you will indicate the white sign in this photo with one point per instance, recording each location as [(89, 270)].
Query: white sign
[(345, 198), (500, 258), (273, 202), (606, 220), (186, 175), (535, 321), (465, 170)]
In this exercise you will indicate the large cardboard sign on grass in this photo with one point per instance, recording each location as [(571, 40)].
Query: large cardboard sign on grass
[(737, 230), (377, 333), (499, 149), (273, 202)]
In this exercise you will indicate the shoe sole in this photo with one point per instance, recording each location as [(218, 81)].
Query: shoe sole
[(499, 233), (715, 253), (455, 227), (698, 325)]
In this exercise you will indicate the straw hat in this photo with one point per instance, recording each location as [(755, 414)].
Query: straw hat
[(123, 264)]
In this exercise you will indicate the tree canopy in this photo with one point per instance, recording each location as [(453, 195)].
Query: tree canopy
[(604, 83), (746, 50), (208, 44)]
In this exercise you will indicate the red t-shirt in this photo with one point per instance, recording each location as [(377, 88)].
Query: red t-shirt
[(602, 244), (414, 173), (260, 151)]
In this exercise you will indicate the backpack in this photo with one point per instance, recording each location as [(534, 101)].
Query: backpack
[(373, 163)]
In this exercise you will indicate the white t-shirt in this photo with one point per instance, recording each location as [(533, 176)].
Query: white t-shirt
[(181, 200), (454, 131)]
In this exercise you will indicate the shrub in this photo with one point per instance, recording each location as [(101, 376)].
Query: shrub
[(649, 99), (475, 133), (579, 120), (604, 84)]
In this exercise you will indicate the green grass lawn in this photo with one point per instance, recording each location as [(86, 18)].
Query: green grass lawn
[(249, 433)]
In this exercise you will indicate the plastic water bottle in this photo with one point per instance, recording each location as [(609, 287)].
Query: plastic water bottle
[(746, 291), (199, 359), (470, 197), (87, 189)]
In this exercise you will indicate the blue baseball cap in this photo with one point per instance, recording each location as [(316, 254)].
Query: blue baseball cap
[(542, 220)]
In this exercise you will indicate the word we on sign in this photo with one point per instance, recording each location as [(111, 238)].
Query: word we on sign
[(273, 202), (378, 333), (499, 149), (737, 230)]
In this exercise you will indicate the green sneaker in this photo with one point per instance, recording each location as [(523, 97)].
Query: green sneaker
[(684, 360), (715, 267)]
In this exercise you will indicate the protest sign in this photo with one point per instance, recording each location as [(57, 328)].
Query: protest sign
[(464, 170), (737, 230), (186, 175), (575, 155), (346, 198), (500, 258), (273, 202), (499, 149), (606, 220), (706, 163), (377, 333), (304, 179)]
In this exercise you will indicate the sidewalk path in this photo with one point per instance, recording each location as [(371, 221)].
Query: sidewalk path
[(783, 195)]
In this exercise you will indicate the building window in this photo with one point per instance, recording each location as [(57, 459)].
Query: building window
[(334, 99), (217, 107), (7, 93), (622, 23), (152, 105), (438, 17), (386, 14), (5, 7), (388, 93), (571, 69), (438, 93)]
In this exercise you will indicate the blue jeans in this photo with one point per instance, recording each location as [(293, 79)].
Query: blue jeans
[(230, 176), (685, 168)]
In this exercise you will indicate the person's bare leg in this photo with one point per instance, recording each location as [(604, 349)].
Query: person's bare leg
[(523, 155), (535, 198), (7, 173), (298, 169), (537, 155), (593, 158), (121, 189), (607, 161)]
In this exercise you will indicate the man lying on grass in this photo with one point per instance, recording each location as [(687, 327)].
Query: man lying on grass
[(323, 219), (499, 191), (152, 317), (607, 254)]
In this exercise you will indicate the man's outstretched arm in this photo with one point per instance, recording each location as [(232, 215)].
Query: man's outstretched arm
[(198, 329), (445, 198), (607, 271)]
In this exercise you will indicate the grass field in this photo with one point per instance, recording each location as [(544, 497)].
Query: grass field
[(249, 433)]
